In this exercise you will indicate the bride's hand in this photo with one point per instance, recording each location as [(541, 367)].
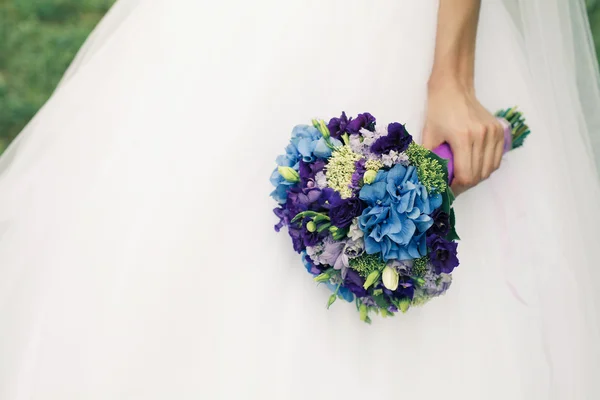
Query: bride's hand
[(455, 116)]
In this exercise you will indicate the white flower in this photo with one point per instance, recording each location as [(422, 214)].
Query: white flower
[(356, 145), (321, 180), (314, 252), (354, 232), (403, 159), (390, 278)]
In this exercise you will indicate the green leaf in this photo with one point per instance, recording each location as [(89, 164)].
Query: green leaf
[(381, 301), (451, 196), (452, 235), (311, 214), (447, 200), (320, 218)]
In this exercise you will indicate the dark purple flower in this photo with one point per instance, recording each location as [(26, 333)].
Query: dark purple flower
[(441, 223), (357, 176), (355, 283), (406, 289), (442, 254), (302, 237), (364, 120), (284, 217), (311, 238), (328, 196), (308, 171), (343, 211), (309, 198), (397, 139), (295, 233), (337, 126)]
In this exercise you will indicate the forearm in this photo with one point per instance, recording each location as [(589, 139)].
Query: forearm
[(454, 59)]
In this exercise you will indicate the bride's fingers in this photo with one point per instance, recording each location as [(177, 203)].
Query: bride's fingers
[(462, 149), (479, 136), (489, 157), (499, 152)]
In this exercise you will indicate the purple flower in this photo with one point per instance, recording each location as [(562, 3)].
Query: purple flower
[(365, 120), (308, 171), (355, 283), (343, 211), (303, 238), (297, 239), (397, 139), (309, 198), (284, 217), (442, 254), (337, 126), (310, 265), (359, 172), (406, 289), (441, 223)]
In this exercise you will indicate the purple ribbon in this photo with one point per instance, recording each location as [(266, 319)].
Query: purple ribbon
[(444, 150)]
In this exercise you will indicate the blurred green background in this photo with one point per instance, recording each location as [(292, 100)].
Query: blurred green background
[(38, 39)]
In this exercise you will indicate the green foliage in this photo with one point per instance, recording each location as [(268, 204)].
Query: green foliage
[(366, 264), (419, 268), (38, 40)]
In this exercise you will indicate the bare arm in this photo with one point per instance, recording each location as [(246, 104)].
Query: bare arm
[(454, 60), (454, 115)]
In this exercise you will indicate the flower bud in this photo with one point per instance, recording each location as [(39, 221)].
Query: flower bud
[(390, 278), (371, 279), (311, 226), (324, 277), (331, 300), (289, 174), (322, 127), (364, 311), (404, 304), (369, 176)]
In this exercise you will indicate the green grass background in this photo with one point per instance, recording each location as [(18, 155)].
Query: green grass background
[(39, 38)]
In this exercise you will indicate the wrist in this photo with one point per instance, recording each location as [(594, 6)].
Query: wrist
[(446, 81)]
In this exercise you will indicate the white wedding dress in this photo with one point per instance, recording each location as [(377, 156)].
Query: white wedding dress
[(138, 258)]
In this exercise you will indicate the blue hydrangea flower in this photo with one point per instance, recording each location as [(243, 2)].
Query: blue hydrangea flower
[(310, 144), (291, 159), (398, 214)]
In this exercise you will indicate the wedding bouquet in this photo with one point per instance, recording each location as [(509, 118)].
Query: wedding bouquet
[(370, 211)]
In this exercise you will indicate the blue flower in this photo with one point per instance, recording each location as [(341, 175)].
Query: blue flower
[(402, 184), (398, 215), (291, 159), (309, 265), (310, 144)]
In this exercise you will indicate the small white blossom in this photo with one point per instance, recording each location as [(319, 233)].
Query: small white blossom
[(354, 232), (321, 180)]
